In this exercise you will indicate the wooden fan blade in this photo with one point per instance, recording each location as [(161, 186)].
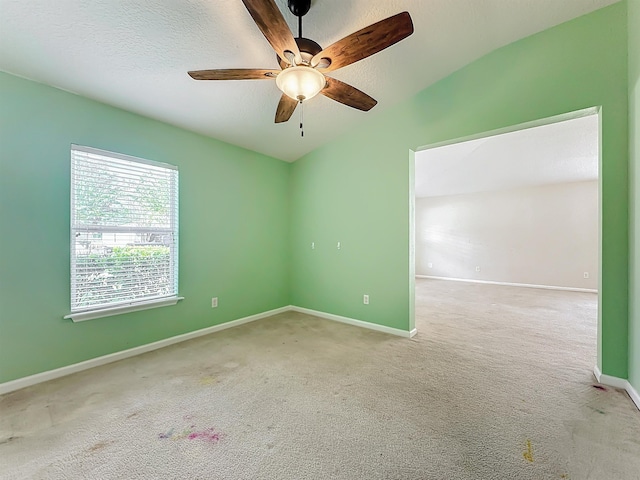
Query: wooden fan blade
[(234, 74), (365, 42), (274, 27), (351, 96), (286, 106)]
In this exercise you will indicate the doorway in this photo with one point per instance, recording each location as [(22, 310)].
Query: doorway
[(512, 209)]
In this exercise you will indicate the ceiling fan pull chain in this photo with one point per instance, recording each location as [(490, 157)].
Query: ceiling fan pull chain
[(301, 118)]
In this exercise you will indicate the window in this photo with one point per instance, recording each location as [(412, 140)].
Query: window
[(124, 233)]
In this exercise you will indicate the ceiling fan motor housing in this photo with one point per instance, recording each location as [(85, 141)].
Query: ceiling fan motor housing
[(308, 49)]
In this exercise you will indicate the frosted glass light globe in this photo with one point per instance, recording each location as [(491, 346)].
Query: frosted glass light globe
[(301, 82)]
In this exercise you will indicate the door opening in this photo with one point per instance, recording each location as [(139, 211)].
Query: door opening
[(512, 209)]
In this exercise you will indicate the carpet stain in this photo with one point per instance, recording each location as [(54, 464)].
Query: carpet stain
[(528, 453), (207, 381), (7, 440), (600, 387), (209, 435), (100, 446), (193, 433), (602, 412)]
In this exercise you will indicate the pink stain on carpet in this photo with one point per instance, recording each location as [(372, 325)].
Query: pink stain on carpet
[(209, 435)]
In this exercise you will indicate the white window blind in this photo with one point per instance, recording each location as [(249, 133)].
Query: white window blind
[(124, 230)]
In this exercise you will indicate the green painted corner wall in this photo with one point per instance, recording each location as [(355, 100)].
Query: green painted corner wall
[(634, 152), (356, 189), (234, 224)]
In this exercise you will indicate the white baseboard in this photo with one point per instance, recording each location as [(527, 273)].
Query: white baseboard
[(616, 382), (357, 323), (508, 284), (131, 352), (635, 396), (24, 382)]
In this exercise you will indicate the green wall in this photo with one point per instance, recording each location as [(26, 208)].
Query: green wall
[(233, 228), (634, 143), (357, 189)]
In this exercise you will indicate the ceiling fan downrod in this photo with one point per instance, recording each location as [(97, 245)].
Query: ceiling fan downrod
[(299, 8)]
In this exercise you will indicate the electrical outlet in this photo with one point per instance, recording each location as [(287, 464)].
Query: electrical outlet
[(585, 274), (313, 245), (365, 299), (430, 265), (339, 246), (214, 302), (477, 268)]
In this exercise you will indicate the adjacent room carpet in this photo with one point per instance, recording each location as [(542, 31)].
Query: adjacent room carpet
[(496, 385)]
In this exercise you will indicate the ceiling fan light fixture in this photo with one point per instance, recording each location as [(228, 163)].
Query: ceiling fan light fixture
[(300, 82)]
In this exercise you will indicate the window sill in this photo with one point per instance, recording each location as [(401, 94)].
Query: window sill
[(131, 307)]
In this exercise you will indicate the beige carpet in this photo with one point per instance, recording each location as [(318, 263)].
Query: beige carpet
[(497, 385)]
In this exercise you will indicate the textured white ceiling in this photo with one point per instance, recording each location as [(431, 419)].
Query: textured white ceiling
[(134, 54), (555, 153)]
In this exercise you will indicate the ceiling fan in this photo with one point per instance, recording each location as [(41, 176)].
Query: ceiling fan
[(303, 62)]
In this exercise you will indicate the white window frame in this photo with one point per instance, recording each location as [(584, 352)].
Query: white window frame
[(97, 311)]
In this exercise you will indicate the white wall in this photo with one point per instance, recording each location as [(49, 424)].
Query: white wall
[(545, 235)]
